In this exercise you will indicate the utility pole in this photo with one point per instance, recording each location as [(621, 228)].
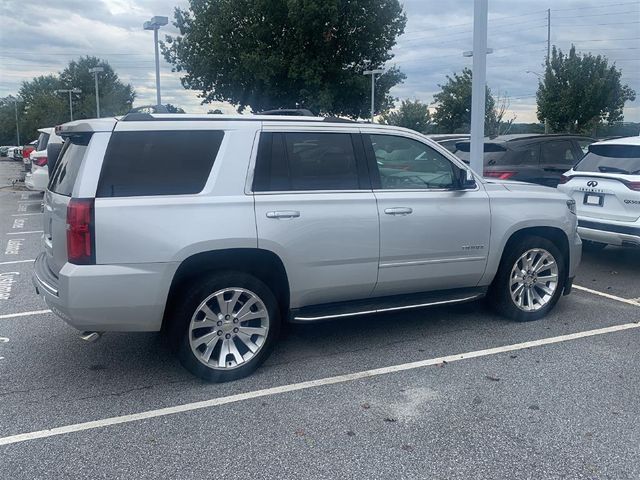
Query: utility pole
[(70, 91), (373, 74), (478, 85), (154, 24), (95, 72), (15, 106)]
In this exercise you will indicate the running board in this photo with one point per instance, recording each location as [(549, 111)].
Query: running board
[(370, 306)]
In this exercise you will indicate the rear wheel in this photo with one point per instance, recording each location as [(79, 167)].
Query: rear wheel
[(227, 326), (529, 281)]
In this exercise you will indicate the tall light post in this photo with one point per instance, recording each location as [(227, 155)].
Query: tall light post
[(539, 75), (478, 84), (96, 71), (70, 91), (373, 74), (154, 24), (15, 106)]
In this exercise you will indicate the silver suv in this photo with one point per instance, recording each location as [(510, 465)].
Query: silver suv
[(217, 229)]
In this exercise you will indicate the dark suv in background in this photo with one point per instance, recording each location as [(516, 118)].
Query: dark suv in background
[(540, 159)]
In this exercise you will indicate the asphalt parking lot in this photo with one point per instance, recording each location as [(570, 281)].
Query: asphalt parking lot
[(435, 393)]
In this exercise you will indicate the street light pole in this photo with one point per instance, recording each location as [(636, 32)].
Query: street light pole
[(95, 72), (478, 85), (373, 87), (15, 106), (70, 91), (154, 24)]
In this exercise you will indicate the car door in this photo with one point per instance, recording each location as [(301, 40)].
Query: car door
[(315, 209), (433, 235), (556, 157)]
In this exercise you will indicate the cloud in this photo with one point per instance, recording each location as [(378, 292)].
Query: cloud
[(39, 38)]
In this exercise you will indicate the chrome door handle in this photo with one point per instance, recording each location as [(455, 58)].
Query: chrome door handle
[(398, 211), (283, 214)]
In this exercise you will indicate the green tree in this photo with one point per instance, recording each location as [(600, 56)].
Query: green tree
[(41, 106), (579, 91), (453, 106), (116, 97), (411, 114), (269, 54)]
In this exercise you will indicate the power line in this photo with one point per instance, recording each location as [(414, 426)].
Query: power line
[(597, 14), (606, 5)]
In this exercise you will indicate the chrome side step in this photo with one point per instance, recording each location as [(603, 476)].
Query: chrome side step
[(384, 304)]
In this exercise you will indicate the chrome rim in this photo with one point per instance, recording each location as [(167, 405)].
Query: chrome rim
[(228, 328), (533, 280)]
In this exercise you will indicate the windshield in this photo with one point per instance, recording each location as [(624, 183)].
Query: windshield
[(623, 159)]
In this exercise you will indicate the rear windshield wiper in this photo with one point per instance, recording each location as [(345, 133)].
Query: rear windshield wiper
[(605, 169)]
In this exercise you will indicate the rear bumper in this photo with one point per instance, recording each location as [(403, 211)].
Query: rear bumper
[(123, 298), (610, 233)]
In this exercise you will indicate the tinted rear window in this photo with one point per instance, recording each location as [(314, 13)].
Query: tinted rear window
[(66, 170), (158, 163), (43, 140), (306, 161), (611, 159)]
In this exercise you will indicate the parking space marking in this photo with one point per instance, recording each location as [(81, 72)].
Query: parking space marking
[(14, 246), (22, 233), (24, 314), (29, 201), (608, 295), (24, 214), (17, 261), (187, 407)]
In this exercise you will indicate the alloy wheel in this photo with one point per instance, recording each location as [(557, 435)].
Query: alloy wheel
[(533, 280)]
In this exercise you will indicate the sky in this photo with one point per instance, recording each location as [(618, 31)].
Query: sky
[(39, 37)]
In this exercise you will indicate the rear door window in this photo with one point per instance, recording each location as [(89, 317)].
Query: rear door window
[(43, 140), (623, 159), (528, 155), (300, 161), (158, 162), (66, 170), (493, 152), (558, 152)]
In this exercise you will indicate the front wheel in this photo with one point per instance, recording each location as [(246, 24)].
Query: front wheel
[(229, 323), (529, 281)]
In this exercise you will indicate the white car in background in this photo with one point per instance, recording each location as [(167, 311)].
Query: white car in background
[(606, 187), (38, 179)]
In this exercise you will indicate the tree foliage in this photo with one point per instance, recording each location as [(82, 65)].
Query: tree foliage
[(411, 114), (39, 106), (579, 91), (267, 54), (173, 109), (453, 106)]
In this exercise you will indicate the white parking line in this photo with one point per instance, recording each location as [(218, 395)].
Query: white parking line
[(17, 261), (187, 407), (21, 233), (608, 295), (29, 201), (24, 314), (23, 214)]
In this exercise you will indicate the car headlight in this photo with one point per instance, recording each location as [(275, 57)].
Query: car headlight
[(571, 205)]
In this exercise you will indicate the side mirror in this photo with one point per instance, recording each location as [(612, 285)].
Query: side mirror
[(53, 152), (466, 180)]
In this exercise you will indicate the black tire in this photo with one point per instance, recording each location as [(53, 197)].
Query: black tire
[(499, 295), (186, 306), (590, 246)]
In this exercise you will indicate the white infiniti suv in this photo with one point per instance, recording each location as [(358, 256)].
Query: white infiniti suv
[(605, 185)]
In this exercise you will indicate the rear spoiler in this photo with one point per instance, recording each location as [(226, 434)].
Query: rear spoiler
[(86, 126)]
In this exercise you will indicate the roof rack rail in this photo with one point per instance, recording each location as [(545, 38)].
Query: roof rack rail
[(136, 117), (338, 120), (290, 112)]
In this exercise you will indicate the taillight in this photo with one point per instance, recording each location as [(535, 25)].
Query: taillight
[(40, 161), (633, 186), (563, 179), (80, 232), (500, 175), (26, 152)]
